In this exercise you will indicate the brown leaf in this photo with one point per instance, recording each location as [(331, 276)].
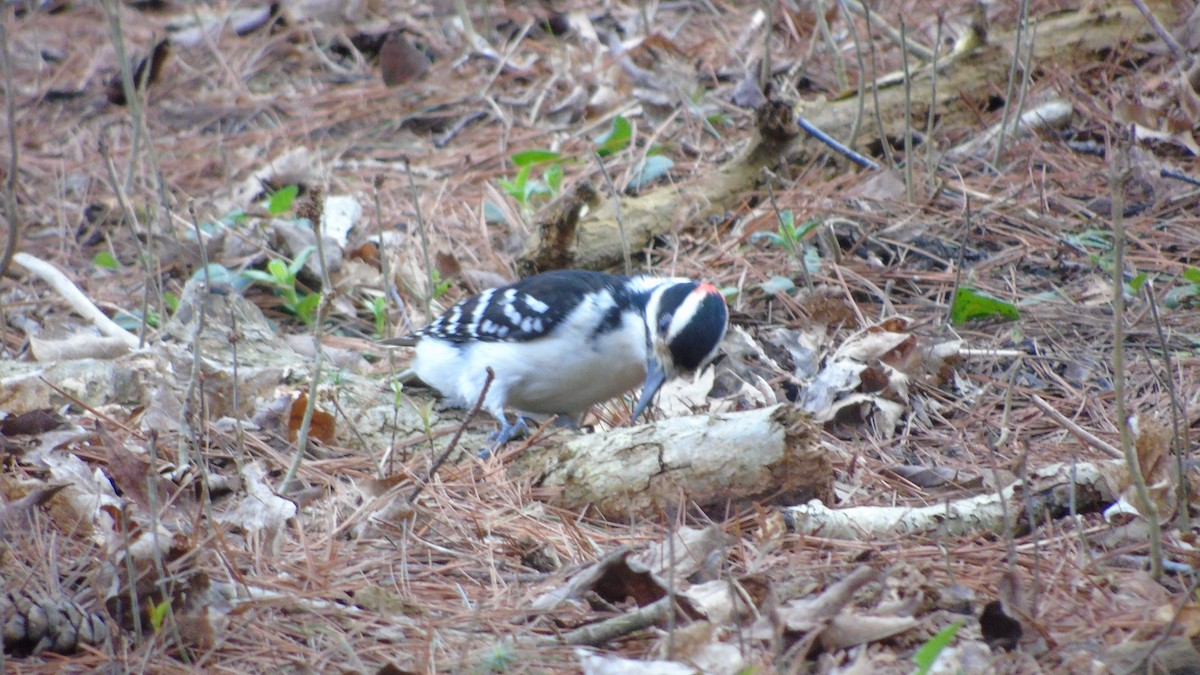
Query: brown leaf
[(132, 475), (321, 428), (31, 423), (400, 62), (153, 62), (23, 507), (368, 253), (1000, 631), (447, 265)]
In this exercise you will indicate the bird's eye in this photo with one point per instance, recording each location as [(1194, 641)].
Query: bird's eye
[(664, 323)]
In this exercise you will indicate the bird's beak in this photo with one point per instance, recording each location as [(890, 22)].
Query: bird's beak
[(655, 376)]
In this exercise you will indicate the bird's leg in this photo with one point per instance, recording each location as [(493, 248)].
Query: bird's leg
[(506, 433)]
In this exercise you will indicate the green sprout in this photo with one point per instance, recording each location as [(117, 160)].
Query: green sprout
[(282, 277)]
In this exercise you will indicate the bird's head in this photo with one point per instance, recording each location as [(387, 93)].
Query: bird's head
[(686, 321)]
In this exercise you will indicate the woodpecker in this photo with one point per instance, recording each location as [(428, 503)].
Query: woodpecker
[(562, 341)]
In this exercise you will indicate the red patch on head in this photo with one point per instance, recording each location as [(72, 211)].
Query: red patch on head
[(706, 287)]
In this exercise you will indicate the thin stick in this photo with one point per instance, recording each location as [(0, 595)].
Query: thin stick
[(1076, 430), (1117, 177), (958, 264), (432, 286), (839, 63), (908, 140), (75, 297), (1022, 24), (437, 463), (10, 183), (918, 50), (883, 139), (616, 197), (1178, 411), (133, 90), (862, 73), (132, 220), (930, 165), (318, 328), (606, 631), (1163, 33)]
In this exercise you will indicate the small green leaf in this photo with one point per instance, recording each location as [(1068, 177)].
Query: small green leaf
[(301, 259), (778, 284), (808, 226), (772, 238), (378, 309), (106, 261), (616, 138), (259, 276), (517, 188), (653, 169), (1180, 295), (279, 272), (972, 304), (1193, 275), (282, 199), (306, 309), (1136, 283), (787, 220), (532, 157), (928, 654), (158, 613), (554, 177), (171, 301)]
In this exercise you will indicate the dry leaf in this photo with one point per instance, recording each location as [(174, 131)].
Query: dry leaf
[(153, 62), (400, 62), (321, 427)]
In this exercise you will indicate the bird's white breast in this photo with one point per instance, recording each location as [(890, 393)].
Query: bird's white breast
[(564, 373)]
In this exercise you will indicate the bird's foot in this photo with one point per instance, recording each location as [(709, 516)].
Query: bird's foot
[(505, 434)]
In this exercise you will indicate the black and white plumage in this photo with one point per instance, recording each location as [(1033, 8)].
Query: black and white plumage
[(562, 341)]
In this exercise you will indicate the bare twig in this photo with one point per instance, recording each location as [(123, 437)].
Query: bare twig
[(839, 63), (597, 634), (10, 182), (908, 139), (616, 197), (318, 328), (429, 272), (1009, 108), (918, 50), (1117, 178), (1076, 430), (437, 463), (1159, 29), (75, 297), (883, 139), (930, 165), (1178, 411), (862, 73)]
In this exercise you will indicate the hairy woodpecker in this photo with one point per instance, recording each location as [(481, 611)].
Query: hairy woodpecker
[(562, 341)]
